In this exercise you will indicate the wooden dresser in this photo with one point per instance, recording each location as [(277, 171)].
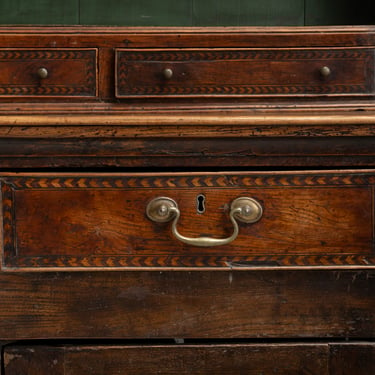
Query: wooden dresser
[(187, 200)]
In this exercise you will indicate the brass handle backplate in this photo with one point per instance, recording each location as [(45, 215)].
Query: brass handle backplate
[(244, 209)]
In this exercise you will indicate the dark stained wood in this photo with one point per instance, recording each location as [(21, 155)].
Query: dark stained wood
[(106, 147), (210, 304), (318, 359), (80, 259), (100, 221), (346, 72), (288, 359), (353, 359), (244, 73), (70, 72), (175, 37)]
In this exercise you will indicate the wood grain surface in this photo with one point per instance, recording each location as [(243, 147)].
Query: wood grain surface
[(353, 358), (132, 280), (293, 358), (69, 72), (289, 359), (243, 73), (227, 304), (311, 219)]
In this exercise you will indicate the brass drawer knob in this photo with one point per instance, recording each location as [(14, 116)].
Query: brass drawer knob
[(244, 209), (167, 73), (42, 73), (325, 71)]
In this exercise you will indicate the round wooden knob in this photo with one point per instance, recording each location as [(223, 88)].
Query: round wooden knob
[(42, 73), (325, 71), (168, 73)]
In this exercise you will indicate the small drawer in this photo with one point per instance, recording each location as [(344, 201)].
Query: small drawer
[(48, 72), (301, 219), (245, 72)]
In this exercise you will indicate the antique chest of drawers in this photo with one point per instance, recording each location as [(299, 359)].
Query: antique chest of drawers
[(185, 200)]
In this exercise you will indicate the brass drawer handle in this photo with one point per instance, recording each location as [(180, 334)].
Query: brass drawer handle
[(244, 209)]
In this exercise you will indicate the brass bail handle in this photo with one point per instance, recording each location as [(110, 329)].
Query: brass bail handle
[(244, 209)]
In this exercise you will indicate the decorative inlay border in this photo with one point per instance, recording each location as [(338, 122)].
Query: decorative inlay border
[(11, 260), (186, 261), (125, 59), (88, 57), (247, 90), (8, 223), (188, 181), (125, 55)]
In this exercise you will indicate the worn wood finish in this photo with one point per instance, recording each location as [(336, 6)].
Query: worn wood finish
[(244, 72), (189, 37), (316, 359), (351, 74), (304, 271), (100, 221), (108, 39), (210, 304), (289, 359), (353, 359), (70, 72), (185, 146)]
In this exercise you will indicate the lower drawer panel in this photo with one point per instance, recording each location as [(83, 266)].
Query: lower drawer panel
[(102, 221), (233, 304), (266, 359)]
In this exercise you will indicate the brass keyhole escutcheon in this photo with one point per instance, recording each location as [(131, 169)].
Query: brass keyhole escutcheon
[(201, 203)]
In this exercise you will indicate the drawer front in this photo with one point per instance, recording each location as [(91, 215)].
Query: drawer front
[(236, 303), (100, 221), (288, 359), (244, 73), (198, 359), (48, 72)]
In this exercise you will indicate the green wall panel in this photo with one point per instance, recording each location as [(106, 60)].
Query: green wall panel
[(272, 12), (188, 12), (39, 12), (136, 12), (216, 12), (248, 12)]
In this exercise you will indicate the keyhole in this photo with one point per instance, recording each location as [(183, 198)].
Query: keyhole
[(201, 199)]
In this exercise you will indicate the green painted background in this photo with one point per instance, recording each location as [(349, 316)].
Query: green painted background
[(188, 12)]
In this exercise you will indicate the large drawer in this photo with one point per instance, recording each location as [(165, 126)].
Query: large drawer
[(219, 220), (231, 359), (48, 72), (244, 72)]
